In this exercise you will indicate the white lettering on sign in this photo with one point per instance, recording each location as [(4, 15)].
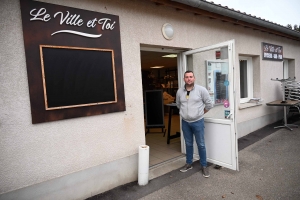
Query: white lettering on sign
[(69, 19), (105, 24), (268, 55), (91, 23), (72, 20), (39, 13)]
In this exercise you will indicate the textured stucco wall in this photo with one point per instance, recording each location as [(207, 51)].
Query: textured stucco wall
[(32, 154)]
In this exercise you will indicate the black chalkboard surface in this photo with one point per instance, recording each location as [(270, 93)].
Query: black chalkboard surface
[(77, 76), (154, 109)]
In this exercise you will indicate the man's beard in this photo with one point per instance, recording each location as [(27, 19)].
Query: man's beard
[(189, 85)]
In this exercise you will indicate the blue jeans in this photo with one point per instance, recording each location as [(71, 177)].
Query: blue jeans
[(194, 129)]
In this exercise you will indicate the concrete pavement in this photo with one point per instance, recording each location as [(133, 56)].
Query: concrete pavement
[(269, 163)]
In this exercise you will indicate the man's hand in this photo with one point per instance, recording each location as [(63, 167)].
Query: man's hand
[(205, 111)]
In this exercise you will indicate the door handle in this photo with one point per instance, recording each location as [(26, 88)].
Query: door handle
[(228, 116)]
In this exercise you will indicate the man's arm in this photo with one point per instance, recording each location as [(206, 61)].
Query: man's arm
[(207, 101)]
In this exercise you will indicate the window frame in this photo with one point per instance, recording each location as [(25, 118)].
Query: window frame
[(249, 79)]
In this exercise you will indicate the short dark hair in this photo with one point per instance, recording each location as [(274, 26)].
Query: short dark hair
[(188, 71)]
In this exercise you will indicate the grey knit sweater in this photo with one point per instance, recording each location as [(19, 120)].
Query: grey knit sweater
[(191, 108)]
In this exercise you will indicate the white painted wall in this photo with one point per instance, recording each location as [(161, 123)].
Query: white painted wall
[(32, 154)]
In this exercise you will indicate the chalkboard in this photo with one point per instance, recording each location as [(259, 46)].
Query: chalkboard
[(154, 109), (74, 77), (93, 52)]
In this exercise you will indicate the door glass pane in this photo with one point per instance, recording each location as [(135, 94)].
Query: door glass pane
[(213, 74), (243, 79), (217, 79)]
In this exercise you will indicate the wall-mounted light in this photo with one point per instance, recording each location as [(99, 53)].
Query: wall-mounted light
[(167, 31)]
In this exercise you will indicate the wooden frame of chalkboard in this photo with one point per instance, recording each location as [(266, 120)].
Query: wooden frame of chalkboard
[(77, 76), (154, 109)]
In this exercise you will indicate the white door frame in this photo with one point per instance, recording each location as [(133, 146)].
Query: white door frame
[(182, 67)]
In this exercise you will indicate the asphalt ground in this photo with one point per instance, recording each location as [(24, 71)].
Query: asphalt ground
[(269, 168)]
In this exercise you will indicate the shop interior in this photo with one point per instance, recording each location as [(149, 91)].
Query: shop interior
[(159, 73), (160, 84)]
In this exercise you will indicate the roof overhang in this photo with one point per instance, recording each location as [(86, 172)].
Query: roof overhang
[(218, 12)]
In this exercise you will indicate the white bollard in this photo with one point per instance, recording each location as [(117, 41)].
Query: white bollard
[(143, 176)]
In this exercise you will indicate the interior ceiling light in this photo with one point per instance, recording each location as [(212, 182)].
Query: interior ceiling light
[(157, 67), (170, 56)]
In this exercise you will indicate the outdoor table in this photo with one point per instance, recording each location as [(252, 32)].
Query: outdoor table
[(284, 104)]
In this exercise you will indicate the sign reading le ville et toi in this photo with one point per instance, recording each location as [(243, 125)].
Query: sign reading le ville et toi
[(73, 60), (72, 20)]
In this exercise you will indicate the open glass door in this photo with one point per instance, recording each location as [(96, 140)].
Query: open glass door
[(217, 76)]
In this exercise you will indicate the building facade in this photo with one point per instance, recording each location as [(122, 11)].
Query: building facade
[(79, 157)]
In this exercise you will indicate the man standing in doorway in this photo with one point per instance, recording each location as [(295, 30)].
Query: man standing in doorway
[(193, 101)]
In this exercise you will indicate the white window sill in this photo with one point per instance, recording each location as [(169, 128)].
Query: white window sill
[(248, 105)]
